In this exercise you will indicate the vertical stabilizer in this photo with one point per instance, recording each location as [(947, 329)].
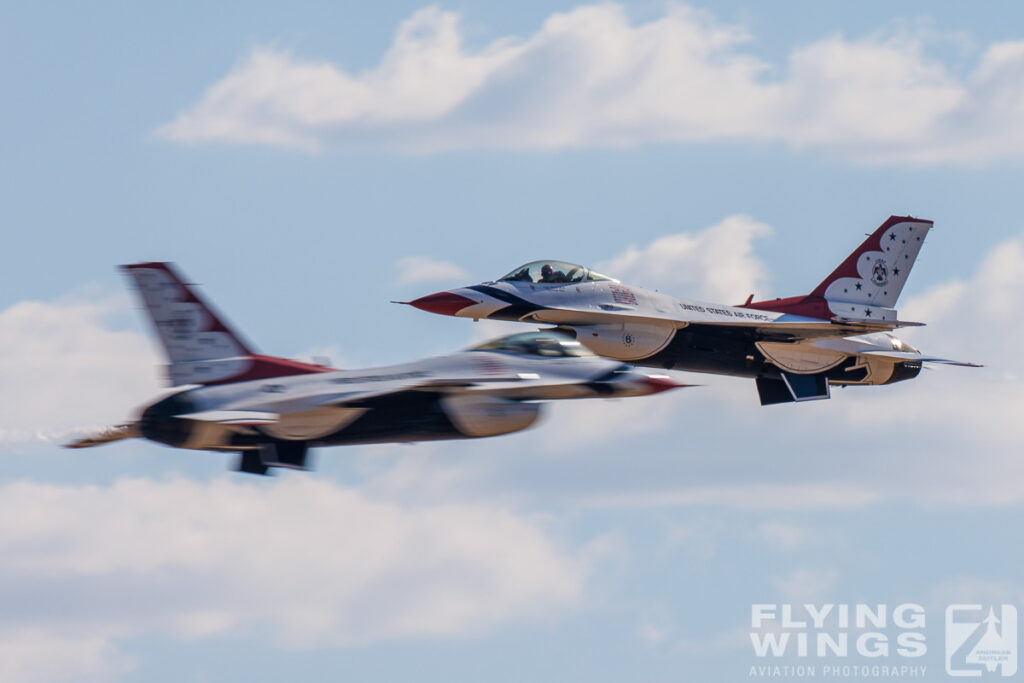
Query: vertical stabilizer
[(875, 273), (868, 283), (201, 348)]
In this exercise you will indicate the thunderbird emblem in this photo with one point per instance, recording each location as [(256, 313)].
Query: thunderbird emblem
[(879, 273)]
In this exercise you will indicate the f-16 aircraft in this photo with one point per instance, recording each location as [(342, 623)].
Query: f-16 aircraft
[(795, 348), (272, 410)]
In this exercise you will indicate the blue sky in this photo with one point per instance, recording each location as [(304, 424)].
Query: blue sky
[(308, 163)]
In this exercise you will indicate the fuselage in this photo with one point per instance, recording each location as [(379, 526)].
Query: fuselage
[(652, 329), (464, 395), (273, 410)]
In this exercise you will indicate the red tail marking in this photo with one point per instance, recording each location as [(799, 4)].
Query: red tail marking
[(268, 367), (848, 268), (814, 305)]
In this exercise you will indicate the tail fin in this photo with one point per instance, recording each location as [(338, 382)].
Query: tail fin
[(201, 348), (869, 282), (875, 273)]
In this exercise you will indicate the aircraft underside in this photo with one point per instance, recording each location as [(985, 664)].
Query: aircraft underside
[(407, 417), (696, 349)]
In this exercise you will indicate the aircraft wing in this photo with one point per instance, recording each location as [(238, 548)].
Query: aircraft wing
[(447, 385), (233, 417), (361, 392), (730, 320)]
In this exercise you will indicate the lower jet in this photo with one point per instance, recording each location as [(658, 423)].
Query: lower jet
[(273, 410), (795, 348)]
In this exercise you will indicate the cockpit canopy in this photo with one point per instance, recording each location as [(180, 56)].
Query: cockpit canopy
[(548, 344), (544, 272)]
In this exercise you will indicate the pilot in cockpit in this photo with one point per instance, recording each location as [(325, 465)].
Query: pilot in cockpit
[(549, 274)]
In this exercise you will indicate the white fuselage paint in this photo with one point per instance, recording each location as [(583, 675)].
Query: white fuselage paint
[(312, 406), (633, 324)]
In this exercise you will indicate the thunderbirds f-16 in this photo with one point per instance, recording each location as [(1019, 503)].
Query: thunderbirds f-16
[(794, 348), (272, 410)]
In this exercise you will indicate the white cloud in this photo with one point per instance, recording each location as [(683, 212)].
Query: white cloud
[(420, 269), (64, 369), (716, 264), (805, 585), (971, 590), (592, 77), (725, 642), (973, 320), (781, 535), (769, 496), (35, 656), (651, 633), (590, 423), (84, 567)]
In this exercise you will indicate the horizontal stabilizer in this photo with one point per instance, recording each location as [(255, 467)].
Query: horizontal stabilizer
[(906, 355), (875, 324), (98, 438)]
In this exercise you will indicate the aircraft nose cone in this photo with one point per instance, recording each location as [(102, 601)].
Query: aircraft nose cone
[(658, 383), (442, 303)]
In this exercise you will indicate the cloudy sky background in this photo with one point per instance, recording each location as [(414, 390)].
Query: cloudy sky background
[(308, 164)]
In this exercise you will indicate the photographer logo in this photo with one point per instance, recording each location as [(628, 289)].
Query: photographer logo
[(980, 641)]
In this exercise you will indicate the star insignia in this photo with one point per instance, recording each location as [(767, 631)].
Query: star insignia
[(857, 286), (867, 312), (892, 237), (895, 271)]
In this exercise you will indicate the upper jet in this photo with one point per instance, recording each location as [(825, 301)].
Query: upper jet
[(795, 348)]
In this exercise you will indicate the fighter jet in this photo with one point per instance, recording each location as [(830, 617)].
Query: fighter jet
[(273, 410), (795, 348)]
